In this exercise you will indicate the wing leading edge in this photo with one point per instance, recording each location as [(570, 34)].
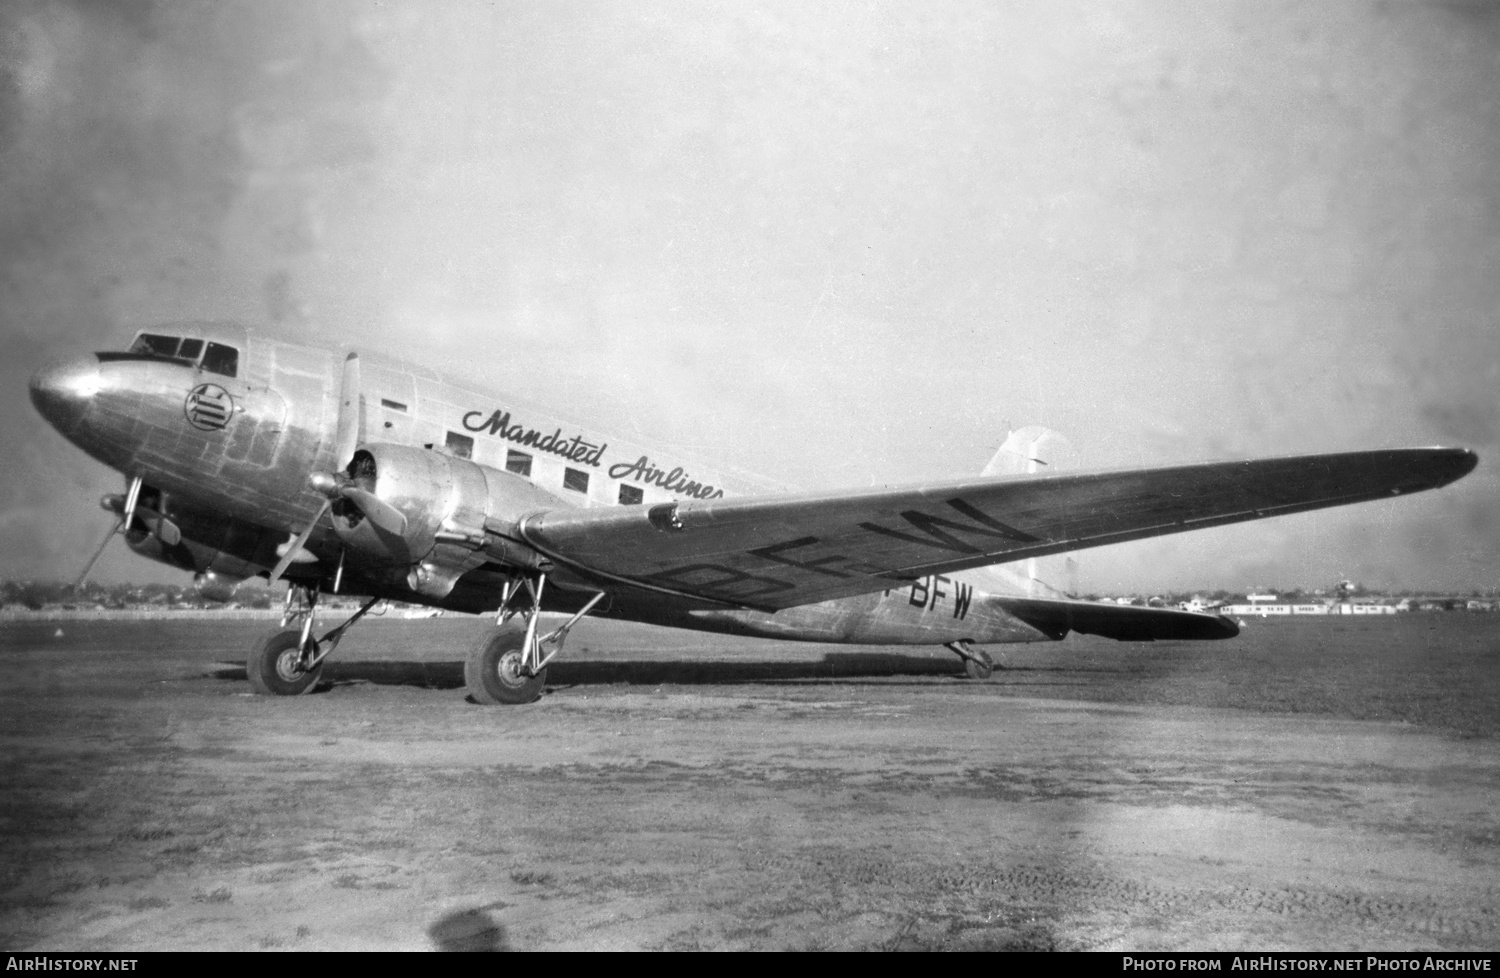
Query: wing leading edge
[(773, 552)]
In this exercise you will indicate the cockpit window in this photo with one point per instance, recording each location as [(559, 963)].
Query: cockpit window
[(221, 359), (217, 357), (161, 346)]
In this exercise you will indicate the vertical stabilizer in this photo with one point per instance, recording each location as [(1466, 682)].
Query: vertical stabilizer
[(1035, 450), (1030, 451)]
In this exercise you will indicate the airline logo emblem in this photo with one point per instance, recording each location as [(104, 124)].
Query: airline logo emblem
[(208, 407)]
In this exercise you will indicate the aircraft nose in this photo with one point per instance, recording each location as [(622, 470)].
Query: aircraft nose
[(63, 391)]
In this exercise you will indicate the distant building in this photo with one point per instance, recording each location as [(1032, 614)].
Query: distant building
[(1259, 608), (1364, 607)]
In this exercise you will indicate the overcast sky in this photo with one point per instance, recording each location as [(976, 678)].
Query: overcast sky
[(842, 243)]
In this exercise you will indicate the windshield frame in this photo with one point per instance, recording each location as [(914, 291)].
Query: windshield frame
[(209, 355)]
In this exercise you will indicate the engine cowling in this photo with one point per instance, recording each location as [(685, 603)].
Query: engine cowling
[(221, 552), (213, 586), (457, 514)]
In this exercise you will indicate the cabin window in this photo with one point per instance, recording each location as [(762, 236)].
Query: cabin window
[(392, 405), (221, 359), (575, 480), (519, 463), (630, 495), (460, 445), (190, 349)]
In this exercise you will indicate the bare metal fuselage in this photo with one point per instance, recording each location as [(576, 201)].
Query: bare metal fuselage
[(227, 460)]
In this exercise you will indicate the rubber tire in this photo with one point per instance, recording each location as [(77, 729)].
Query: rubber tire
[(981, 667), (491, 673), (270, 666)]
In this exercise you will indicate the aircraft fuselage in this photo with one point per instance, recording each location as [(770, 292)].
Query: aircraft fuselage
[(225, 428)]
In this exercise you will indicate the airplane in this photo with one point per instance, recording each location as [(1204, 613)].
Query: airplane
[(353, 472)]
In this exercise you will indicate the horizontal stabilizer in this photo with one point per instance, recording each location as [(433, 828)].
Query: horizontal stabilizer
[(1128, 623)]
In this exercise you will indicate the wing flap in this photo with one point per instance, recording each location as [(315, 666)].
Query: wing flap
[(779, 551)]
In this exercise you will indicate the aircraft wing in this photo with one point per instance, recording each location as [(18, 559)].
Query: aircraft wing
[(772, 552)]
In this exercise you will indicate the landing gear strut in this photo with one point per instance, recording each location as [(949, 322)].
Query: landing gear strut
[(291, 660), (977, 662), (509, 666)]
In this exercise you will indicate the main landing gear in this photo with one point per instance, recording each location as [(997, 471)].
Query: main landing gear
[(509, 666), (291, 660), (977, 662)]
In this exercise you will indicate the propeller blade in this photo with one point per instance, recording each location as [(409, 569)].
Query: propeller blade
[(296, 545), (89, 567), (132, 496), (347, 438), (376, 510)]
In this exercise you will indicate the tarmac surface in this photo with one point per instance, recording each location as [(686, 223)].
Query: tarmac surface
[(1309, 785)]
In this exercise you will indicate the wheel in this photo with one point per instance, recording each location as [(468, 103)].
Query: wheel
[(493, 671), (981, 666), (273, 668)]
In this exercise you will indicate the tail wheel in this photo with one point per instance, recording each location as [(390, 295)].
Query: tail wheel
[(275, 668), (981, 666), (493, 672)]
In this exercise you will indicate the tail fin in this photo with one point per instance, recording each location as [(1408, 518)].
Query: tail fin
[(1032, 450), (1036, 450)]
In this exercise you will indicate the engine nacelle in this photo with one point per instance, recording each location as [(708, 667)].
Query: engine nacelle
[(213, 586), (148, 545), (206, 543), (457, 514)]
